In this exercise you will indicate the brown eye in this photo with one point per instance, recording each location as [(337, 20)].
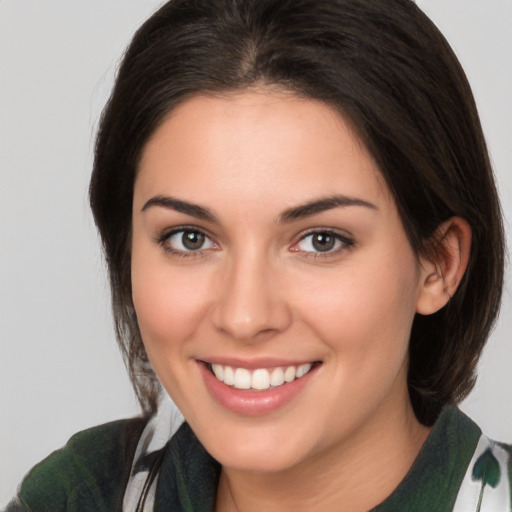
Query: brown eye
[(192, 240), (323, 242), (185, 241)]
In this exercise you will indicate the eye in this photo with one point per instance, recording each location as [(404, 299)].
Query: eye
[(323, 242), (185, 241)]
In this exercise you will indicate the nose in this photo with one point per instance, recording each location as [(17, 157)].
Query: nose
[(249, 305)]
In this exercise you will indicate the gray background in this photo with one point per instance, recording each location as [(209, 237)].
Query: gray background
[(59, 366)]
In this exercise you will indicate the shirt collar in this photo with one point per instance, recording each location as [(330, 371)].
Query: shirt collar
[(434, 479), (189, 476)]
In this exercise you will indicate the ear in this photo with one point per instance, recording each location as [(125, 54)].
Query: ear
[(442, 272)]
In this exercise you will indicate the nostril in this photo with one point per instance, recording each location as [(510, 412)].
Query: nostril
[(251, 320)]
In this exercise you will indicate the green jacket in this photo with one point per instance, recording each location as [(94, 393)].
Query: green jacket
[(90, 473)]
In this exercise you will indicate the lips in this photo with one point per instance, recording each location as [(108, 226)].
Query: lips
[(255, 389)]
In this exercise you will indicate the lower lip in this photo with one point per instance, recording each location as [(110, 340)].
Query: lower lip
[(251, 402)]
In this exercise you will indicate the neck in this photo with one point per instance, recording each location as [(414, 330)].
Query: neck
[(359, 473)]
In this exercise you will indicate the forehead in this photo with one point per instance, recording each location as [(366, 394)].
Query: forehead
[(257, 145)]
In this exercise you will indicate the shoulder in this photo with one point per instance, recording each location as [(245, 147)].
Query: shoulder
[(458, 469), (88, 473), (487, 483)]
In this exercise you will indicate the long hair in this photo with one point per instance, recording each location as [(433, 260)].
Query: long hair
[(385, 67)]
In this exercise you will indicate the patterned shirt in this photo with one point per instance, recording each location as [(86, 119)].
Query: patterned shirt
[(109, 467)]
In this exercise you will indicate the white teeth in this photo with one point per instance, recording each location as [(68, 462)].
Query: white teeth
[(229, 376), (259, 379), (218, 370), (242, 378), (303, 369), (277, 377), (289, 374)]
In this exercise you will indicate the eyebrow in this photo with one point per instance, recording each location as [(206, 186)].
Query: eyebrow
[(292, 214), (178, 205), (322, 205)]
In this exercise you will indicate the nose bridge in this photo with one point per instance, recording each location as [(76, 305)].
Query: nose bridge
[(248, 303)]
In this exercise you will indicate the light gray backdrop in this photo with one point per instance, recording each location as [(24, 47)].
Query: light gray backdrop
[(59, 369)]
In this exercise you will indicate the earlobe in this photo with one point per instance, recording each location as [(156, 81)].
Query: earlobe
[(442, 273)]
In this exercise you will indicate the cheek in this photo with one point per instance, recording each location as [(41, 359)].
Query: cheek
[(168, 301), (364, 310)]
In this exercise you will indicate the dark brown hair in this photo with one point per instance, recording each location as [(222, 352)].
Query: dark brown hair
[(385, 67)]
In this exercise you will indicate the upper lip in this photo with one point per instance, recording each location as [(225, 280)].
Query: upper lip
[(254, 364)]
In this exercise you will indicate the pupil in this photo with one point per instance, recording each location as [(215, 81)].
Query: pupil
[(192, 240), (323, 242)]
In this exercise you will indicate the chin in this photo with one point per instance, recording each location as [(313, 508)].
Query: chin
[(260, 449), (258, 462)]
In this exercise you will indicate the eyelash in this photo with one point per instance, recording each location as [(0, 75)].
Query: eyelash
[(164, 238), (346, 243)]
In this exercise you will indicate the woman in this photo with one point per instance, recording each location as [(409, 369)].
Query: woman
[(306, 251)]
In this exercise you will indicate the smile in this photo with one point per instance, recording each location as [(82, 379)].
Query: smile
[(259, 379), (256, 388)]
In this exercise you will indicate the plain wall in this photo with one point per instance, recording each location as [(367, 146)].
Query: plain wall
[(60, 370)]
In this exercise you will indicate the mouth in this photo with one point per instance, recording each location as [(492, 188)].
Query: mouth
[(260, 379), (257, 388)]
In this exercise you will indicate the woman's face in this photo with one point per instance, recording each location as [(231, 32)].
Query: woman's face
[(266, 245)]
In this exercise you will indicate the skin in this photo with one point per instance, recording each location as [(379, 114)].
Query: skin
[(257, 288)]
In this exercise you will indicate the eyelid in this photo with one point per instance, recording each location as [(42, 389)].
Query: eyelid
[(347, 242), (166, 234)]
